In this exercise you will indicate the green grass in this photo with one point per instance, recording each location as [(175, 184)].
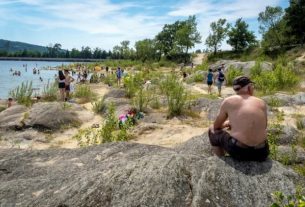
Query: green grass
[(231, 74), (84, 93), (49, 92), (23, 93)]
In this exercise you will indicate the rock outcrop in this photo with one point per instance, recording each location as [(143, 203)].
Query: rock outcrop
[(12, 117), (127, 174), (244, 66), (51, 116)]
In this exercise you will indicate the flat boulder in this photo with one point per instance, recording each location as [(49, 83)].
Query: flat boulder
[(130, 174), (12, 117), (52, 116)]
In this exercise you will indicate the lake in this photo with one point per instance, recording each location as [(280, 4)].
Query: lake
[(8, 81)]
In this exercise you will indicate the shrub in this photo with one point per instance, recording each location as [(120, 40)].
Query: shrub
[(99, 106), (133, 83), (141, 99), (175, 94), (22, 94), (84, 92), (203, 67), (94, 78), (87, 137), (231, 74), (256, 70), (110, 79), (279, 79), (49, 92), (110, 125)]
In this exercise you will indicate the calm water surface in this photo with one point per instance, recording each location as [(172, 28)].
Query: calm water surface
[(8, 82)]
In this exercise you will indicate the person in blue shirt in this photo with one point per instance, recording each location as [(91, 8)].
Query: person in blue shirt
[(119, 74), (210, 78)]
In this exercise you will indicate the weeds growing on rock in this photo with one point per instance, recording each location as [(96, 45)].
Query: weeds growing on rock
[(99, 106), (109, 126), (294, 200), (23, 93), (49, 92)]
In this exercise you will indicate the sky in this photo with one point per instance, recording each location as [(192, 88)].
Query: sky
[(105, 23)]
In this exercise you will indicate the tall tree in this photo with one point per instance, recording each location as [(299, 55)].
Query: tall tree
[(272, 27), (187, 34), (240, 38), (218, 33), (296, 20)]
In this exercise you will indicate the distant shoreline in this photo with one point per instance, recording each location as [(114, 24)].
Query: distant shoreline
[(51, 59)]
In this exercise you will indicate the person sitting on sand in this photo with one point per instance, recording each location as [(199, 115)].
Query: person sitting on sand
[(246, 117), (68, 80), (61, 85)]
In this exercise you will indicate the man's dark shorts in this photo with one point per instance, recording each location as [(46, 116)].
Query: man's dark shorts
[(221, 138)]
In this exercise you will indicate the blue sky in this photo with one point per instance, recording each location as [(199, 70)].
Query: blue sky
[(105, 23)]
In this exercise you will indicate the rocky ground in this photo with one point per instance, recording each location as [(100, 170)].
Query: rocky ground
[(167, 163)]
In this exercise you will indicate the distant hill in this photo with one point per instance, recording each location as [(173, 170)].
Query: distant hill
[(12, 46)]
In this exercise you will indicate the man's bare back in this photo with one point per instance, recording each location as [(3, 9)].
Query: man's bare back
[(247, 117)]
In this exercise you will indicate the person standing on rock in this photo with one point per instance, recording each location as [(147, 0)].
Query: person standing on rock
[(220, 78), (61, 85), (68, 80), (246, 118)]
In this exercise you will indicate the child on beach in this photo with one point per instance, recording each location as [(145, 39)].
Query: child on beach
[(68, 80)]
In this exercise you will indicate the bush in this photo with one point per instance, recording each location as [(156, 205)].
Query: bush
[(231, 74), (110, 125), (141, 99), (94, 78), (256, 70), (279, 79), (110, 79), (50, 91), (99, 106), (84, 92), (133, 83), (175, 94), (294, 200), (203, 67), (23, 93)]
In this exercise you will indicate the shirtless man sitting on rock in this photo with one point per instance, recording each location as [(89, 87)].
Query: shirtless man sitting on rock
[(246, 118)]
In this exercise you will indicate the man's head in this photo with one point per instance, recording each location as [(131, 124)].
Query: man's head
[(243, 84)]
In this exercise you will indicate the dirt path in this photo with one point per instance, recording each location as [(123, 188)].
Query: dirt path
[(199, 59)]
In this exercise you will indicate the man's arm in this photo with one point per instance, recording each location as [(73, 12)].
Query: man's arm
[(221, 117)]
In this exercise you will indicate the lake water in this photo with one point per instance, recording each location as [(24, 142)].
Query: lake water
[(9, 82)]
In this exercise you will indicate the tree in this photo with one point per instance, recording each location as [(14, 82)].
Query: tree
[(145, 49), (219, 32), (296, 20), (187, 35), (272, 27), (239, 36)]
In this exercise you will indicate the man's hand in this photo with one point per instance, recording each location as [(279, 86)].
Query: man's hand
[(226, 124)]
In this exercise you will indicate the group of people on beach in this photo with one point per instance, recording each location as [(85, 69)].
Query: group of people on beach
[(64, 84)]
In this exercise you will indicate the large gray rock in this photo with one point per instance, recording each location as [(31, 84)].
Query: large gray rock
[(13, 117), (129, 174), (52, 116), (211, 107), (244, 66), (285, 99), (286, 134)]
